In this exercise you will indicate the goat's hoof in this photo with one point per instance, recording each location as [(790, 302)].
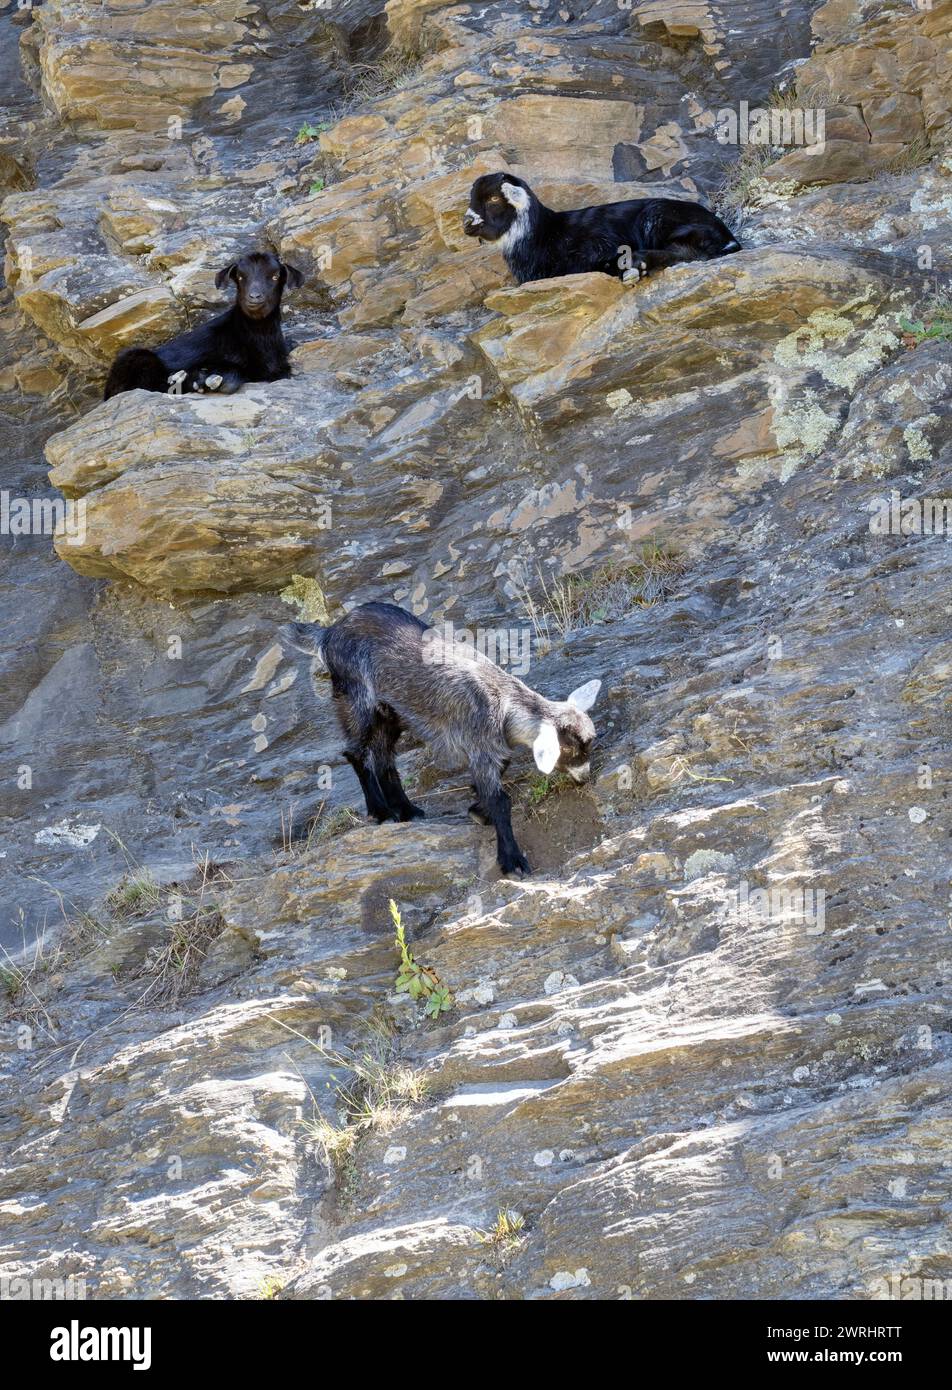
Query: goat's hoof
[(214, 381), (515, 864), (412, 812), (636, 273)]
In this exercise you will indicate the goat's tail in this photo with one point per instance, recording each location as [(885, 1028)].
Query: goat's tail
[(305, 637), (136, 367)]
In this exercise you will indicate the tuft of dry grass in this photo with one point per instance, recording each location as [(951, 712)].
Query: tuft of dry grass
[(375, 1091), (821, 93), (379, 1087), (325, 825), (18, 975), (917, 153), (740, 179), (28, 981), (506, 1236), (394, 70), (31, 981), (194, 922), (22, 984), (135, 894), (604, 595), (336, 1143), (173, 968)]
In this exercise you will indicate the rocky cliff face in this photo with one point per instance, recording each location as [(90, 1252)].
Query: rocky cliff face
[(705, 1051)]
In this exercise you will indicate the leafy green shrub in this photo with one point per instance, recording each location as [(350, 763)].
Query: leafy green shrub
[(419, 981)]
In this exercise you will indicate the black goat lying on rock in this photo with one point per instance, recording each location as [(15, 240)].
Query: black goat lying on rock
[(391, 673), (627, 240), (245, 343)]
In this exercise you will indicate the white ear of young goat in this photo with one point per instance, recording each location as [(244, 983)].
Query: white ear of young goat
[(515, 196), (585, 696), (545, 749)]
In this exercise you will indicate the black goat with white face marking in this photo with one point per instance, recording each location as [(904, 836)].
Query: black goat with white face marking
[(628, 240), (245, 343), (391, 673)]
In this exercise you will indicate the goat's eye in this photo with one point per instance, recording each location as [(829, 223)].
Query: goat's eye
[(274, 277), (495, 198)]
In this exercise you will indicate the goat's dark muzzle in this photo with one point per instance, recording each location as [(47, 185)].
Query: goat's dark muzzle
[(473, 224)]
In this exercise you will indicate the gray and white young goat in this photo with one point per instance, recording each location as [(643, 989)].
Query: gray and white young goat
[(391, 673)]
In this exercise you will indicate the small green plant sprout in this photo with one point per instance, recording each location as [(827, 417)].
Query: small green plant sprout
[(419, 981), (270, 1287), (540, 785), (316, 187), (309, 132), (935, 325)]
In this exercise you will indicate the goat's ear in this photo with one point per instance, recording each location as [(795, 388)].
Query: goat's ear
[(585, 696), (294, 276), (546, 748), (223, 276), (515, 195)]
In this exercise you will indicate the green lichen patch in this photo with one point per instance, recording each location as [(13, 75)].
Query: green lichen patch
[(802, 431), (819, 344), (307, 596), (920, 450)]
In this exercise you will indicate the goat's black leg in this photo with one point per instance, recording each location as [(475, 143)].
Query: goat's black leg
[(387, 729), (224, 381), (358, 720), (198, 379), (377, 806), (397, 797), (495, 803), (477, 811), (686, 244), (645, 263)]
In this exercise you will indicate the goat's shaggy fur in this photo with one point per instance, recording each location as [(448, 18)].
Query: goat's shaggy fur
[(391, 673), (628, 240)]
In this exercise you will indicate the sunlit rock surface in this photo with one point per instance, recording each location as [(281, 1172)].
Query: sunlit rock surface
[(704, 1052)]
